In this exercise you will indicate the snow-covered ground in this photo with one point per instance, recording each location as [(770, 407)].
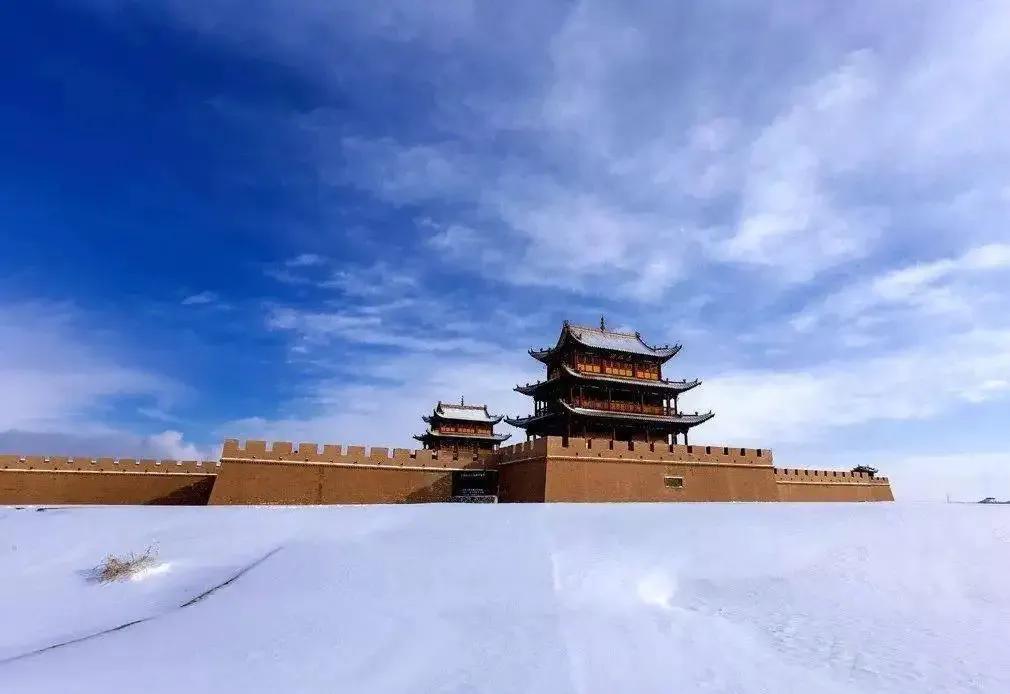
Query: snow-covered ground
[(480, 598)]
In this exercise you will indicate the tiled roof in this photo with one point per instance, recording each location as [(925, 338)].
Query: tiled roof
[(617, 341), (467, 413), (523, 422), (601, 338)]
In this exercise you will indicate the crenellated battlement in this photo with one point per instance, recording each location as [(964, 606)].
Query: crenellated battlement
[(520, 451), (126, 465), (338, 454), (559, 447), (801, 475)]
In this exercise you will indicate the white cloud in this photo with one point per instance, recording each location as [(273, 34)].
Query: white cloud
[(61, 375), (788, 217), (338, 411), (314, 329), (612, 189), (305, 260), (958, 288), (634, 151), (110, 442), (200, 299), (172, 445), (994, 256), (378, 280), (920, 383), (624, 139), (58, 372), (405, 174)]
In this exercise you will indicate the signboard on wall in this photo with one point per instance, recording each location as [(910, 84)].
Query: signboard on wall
[(474, 482)]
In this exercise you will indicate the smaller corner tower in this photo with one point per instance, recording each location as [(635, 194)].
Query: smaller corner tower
[(461, 428)]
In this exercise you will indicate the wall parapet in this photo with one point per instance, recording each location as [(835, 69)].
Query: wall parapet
[(337, 454), (537, 448), (804, 475), (123, 465), (573, 447)]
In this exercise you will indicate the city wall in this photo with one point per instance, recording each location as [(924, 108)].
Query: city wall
[(522, 471), (602, 470), (281, 473), (831, 485), (84, 480), (548, 469)]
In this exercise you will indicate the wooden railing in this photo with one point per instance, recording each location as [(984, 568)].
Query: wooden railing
[(621, 406)]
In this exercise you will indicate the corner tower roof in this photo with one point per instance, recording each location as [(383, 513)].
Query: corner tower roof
[(466, 413)]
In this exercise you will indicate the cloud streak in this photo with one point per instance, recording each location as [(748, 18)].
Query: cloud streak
[(62, 380), (56, 373)]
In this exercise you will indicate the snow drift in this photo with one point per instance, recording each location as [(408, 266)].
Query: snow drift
[(482, 598)]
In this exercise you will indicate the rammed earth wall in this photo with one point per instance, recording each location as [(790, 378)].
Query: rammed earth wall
[(280, 473), (63, 480), (547, 469), (601, 470), (830, 485)]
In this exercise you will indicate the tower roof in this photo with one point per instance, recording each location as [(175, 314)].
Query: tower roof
[(601, 338), (466, 413)]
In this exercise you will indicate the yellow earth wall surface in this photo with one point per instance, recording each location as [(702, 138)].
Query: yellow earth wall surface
[(64, 480), (546, 469), (602, 470), (522, 471), (281, 473), (831, 485)]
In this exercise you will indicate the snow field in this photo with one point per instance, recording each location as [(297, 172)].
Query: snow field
[(509, 598)]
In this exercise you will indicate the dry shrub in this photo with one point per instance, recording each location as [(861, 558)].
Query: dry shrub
[(115, 568)]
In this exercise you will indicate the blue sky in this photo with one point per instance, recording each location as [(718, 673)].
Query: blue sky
[(311, 220)]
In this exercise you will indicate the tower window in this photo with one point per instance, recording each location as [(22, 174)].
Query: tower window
[(672, 482)]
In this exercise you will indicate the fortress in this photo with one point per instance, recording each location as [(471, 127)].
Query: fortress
[(606, 427)]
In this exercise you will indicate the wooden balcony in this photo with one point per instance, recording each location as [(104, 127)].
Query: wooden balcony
[(606, 367), (622, 406), (474, 430)]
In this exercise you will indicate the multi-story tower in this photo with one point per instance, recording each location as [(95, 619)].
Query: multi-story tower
[(606, 384), (461, 428)]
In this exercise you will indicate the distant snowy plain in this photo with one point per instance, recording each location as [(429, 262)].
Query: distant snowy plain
[(510, 598)]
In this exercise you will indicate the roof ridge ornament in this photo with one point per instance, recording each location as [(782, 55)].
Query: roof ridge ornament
[(603, 323)]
